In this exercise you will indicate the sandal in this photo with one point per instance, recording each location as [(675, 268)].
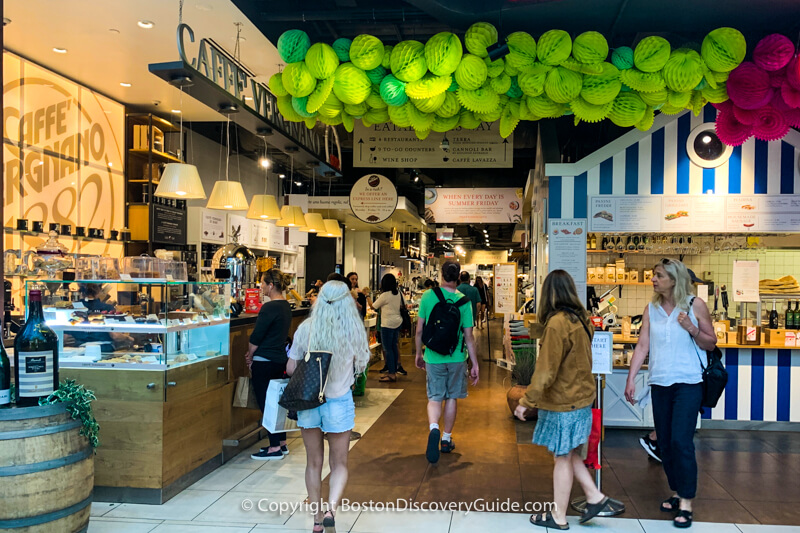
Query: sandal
[(547, 520), (594, 509), (686, 515), (318, 527), (387, 379), (673, 502), (329, 523)]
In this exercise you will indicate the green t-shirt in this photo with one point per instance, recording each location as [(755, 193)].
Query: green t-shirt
[(472, 293), (426, 304)]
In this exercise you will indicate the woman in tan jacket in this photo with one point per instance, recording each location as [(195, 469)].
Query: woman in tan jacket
[(563, 390)]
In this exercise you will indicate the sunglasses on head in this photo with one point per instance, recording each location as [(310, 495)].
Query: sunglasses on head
[(666, 261)]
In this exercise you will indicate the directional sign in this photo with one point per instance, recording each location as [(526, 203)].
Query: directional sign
[(389, 146)]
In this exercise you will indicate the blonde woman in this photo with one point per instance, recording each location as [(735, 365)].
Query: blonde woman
[(563, 389), (335, 326), (676, 331)]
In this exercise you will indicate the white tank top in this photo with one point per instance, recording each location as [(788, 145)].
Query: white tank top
[(674, 355)]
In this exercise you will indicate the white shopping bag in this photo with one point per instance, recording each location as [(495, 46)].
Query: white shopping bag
[(275, 420)]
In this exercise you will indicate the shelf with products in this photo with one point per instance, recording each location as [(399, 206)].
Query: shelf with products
[(633, 283), (44, 235)]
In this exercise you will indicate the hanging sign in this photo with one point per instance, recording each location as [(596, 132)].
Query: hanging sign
[(373, 198), (473, 206), (444, 234), (390, 146)]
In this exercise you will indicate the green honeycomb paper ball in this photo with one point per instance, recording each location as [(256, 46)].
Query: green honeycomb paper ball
[(320, 95), (443, 124), (590, 47), (348, 122), (299, 105), (429, 85), (563, 85), (627, 110), (420, 120), (521, 50), (651, 54), (293, 45), (471, 72), (544, 107), (342, 48), (387, 56), (622, 57), (443, 52), (408, 61), (508, 122), (500, 84), (310, 122), (716, 96), (479, 37), (422, 134), (321, 61), (351, 84), (480, 100), (684, 70), (582, 68), (331, 121), (376, 116), (393, 91), (356, 110), (723, 49), (331, 108), (554, 47), (511, 70), (376, 74), (494, 68), (286, 109), (374, 100), (647, 120), (450, 106), (603, 88), (468, 120), (655, 98), (669, 109), (297, 79), (430, 104), (532, 84), (587, 112), (644, 82), (490, 116), (453, 86), (679, 99), (366, 52), (400, 114), (514, 91), (276, 85)]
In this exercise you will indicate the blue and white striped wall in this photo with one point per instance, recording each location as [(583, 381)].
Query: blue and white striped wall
[(656, 162)]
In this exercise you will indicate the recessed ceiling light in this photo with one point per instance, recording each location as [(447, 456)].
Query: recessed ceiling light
[(176, 110), (110, 164), (281, 176), (298, 183), (248, 97), (59, 50), (146, 24), (125, 84)]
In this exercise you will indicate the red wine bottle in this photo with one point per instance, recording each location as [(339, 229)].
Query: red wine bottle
[(35, 356), (5, 379)]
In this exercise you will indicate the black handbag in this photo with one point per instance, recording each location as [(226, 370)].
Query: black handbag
[(406, 326), (715, 377), (306, 388)]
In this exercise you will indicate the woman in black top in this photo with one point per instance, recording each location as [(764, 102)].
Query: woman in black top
[(482, 310), (267, 354)]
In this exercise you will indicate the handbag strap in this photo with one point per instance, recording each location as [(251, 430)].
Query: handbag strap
[(694, 342), (573, 313)]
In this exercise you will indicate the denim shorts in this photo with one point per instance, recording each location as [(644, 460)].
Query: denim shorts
[(336, 415)]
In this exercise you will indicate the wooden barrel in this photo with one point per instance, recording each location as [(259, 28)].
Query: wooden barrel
[(46, 471)]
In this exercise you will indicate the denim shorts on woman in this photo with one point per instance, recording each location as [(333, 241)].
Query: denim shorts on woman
[(336, 415)]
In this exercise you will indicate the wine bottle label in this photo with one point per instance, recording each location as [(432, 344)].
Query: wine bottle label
[(5, 397), (35, 374)]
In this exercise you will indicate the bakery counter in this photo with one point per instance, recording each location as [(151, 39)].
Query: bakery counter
[(620, 339)]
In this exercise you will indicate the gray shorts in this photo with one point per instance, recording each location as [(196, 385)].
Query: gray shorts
[(447, 381)]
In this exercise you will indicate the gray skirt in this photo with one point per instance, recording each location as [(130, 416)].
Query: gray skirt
[(561, 432)]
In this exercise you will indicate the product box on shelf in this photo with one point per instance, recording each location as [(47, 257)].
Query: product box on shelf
[(780, 337)]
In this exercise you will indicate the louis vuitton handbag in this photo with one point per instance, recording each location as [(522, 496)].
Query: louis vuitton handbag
[(306, 388)]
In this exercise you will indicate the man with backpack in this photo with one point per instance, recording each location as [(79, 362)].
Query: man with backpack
[(444, 326)]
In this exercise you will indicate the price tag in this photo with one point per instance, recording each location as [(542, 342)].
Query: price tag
[(129, 319), (170, 278), (125, 277), (185, 321)]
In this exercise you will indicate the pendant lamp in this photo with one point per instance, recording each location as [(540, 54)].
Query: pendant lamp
[(332, 228), (181, 180), (264, 207), (291, 217), (314, 224), (227, 195)]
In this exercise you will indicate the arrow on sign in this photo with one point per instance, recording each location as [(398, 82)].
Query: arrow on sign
[(505, 149), (361, 148)]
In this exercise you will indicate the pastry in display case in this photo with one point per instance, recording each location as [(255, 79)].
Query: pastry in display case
[(138, 324)]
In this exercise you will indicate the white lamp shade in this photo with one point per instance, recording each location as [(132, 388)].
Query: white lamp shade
[(264, 207), (181, 181), (227, 196), (292, 217), (314, 223), (332, 228)]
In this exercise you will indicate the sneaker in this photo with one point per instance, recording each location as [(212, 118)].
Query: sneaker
[(651, 447), (402, 371), (264, 455), (448, 446), (432, 452), (384, 370), (284, 449)]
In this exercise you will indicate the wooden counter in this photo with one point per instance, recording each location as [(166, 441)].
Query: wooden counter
[(619, 339)]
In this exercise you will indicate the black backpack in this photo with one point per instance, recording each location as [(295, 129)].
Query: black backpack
[(441, 331)]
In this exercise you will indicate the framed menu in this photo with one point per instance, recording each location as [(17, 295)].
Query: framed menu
[(567, 245), (505, 288)]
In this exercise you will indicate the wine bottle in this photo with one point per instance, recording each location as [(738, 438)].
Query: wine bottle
[(773, 317), (797, 314), (789, 316), (5, 378), (594, 241), (35, 356)]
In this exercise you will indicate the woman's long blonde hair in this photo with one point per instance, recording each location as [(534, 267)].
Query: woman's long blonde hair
[(559, 292), (678, 273)]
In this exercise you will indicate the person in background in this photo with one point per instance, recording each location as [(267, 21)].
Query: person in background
[(446, 374), (470, 292), (92, 301), (267, 357), (312, 295), (389, 304), (676, 332), (429, 284), (363, 300), (334, 325), (563, 389), (483, 311), (316, 286)]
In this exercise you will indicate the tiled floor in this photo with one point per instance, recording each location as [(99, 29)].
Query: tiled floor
[(748, 480)]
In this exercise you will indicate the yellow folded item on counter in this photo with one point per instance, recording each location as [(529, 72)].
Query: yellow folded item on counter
[(786, 284)]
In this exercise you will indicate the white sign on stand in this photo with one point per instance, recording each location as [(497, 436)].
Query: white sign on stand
[(505, 288), (745, 281), (602, 352)]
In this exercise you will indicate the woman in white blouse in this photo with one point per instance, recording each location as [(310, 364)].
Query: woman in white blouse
[(389, 304)]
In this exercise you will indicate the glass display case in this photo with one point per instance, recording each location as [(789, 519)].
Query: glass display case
[(139, 324)]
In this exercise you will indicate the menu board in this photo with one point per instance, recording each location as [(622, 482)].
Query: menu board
[(685, 213), (169, 225), (505, 288), (567, 245)]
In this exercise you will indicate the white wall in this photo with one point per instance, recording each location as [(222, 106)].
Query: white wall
[(356, 254)]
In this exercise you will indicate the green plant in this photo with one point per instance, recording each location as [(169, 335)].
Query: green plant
[(524, 367), (78, 401)]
